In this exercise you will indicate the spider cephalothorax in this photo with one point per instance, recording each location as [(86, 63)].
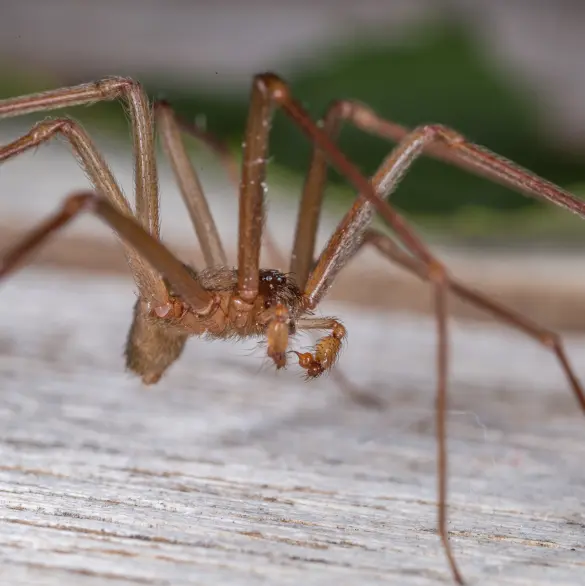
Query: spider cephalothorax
[(274, 287), (277, 312)]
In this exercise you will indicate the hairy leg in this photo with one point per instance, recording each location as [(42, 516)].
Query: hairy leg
[(148, 281), (549, 339), (230, 165), (190, 187), (140, 112), (129, 230)]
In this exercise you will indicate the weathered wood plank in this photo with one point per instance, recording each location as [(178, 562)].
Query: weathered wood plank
[(227, 473)]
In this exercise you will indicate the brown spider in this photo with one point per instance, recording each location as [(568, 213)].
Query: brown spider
[(177, 301)]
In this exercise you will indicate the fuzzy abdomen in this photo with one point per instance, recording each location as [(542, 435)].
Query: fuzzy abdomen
[(151, 346)]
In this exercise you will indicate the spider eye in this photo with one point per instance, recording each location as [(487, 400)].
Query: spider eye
[(272, 275)]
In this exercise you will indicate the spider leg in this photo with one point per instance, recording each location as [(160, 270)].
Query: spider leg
[(251, 201), (190, 187), (343, 243), (145, 176), (303, 253), (549, 339), (450, 146), (128, 229), (149, 283), (230, 165), (108, 89), (444, 144)]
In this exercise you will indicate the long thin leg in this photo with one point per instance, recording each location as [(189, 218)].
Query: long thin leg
[(269, 90), (303, 253), (437, 273), (441, 409), (452, 147), (129, 230), (343, 244), (148, 281), (230, 165), (108, 89), (189, 185), (441, 143), (549, 339), (387, 247), (252, 187)]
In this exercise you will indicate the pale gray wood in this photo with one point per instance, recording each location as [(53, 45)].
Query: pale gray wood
[(227, 473)]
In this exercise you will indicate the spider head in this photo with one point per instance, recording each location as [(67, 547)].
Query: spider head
[(276, 287)]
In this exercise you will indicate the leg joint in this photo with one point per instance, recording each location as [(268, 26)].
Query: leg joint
[(50, 126), (437, 273), (114, 86), (551, 340), (274, 86), (438, 132)]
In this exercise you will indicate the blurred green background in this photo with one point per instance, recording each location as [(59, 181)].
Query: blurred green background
[(439, 75)]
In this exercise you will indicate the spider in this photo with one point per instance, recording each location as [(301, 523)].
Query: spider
[(177, 301)]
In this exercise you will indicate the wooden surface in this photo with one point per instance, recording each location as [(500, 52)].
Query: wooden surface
[(228, 473)]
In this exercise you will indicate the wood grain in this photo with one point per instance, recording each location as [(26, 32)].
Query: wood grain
[(228, 473)]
